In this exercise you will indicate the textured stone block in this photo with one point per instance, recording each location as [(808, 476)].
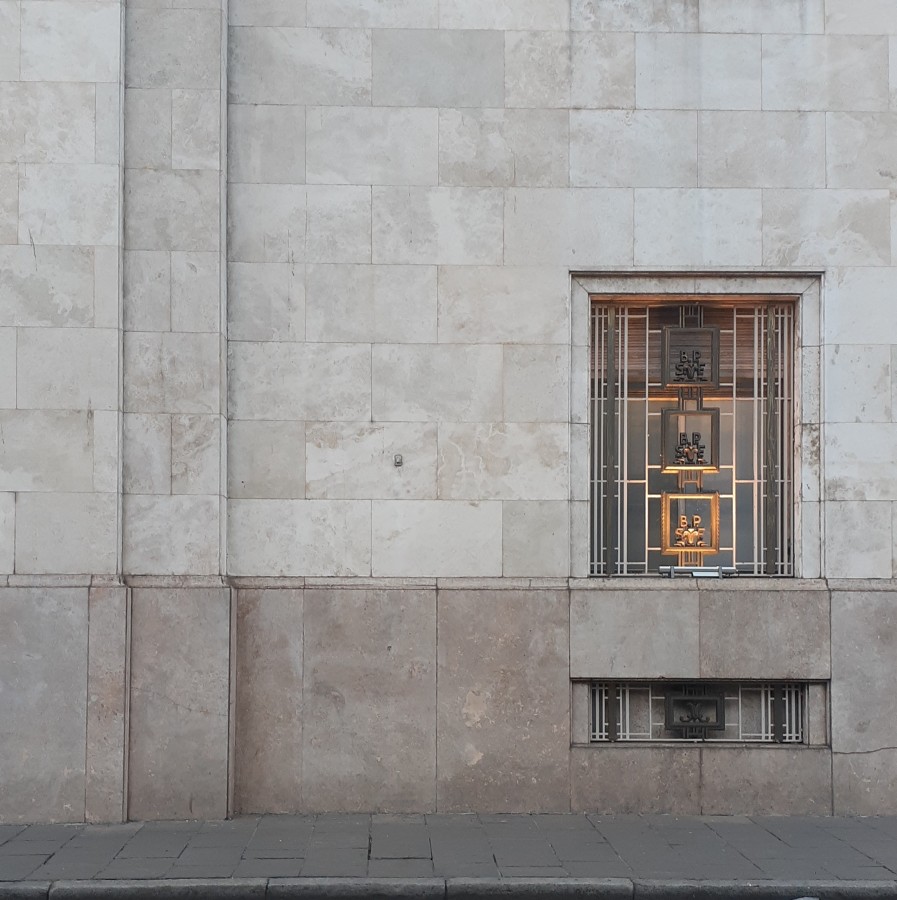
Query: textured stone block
[(503, 725), (865, 784), (179, 703), (7, 532), (514, 15), (603, 74), (743, 633), (608, 637), (535, 539), (9, 203), (858, 389), (147, 290), (873, 557), (269, 709), (106, 450), (424, 67), (195, 129), (265, 302), (148, 135), (266, 144), (108, 121), (538, 69), (7, 368), (196, 294), (633, 15), (536, 384), (43, 668), (435, 538), (10, 23), (266, 223), (146, 461), (861, 17), (266, 12), (765, 16), (299, 537), (370, 671), (266, 459), (196, 455), (859, 150), (338, 224), (373, 13)]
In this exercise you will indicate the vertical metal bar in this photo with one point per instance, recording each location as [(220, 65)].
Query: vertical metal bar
[(778, 714), (612, 711), (772, 443), (610, 443)]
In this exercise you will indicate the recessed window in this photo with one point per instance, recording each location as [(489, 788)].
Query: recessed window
[(692, 412)]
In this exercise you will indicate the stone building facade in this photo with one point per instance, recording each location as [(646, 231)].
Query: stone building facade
[(297, 428)]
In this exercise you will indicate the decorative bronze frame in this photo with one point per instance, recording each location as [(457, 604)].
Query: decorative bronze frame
[(694, 727), (709, 522), (669, 433), (671, 346)]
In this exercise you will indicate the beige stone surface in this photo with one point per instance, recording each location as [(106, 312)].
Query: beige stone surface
[(195, 129), (743, 633), (195, 454), (865, 783), (874, 556), (608, 637), (265, 460), (266, 223), (536, 384), (373, 13), (10, 24), (857, 389), (369, 696), (535, 538), (765, 16), (503, 703), (147, 290), (8, 368), (265, 302), (603, 70), (516, 15), (538, 69), (177, 766), (857, 303), (146, 458), (7, 532), (196, 291), (9, 203), (633, 15), (148, 135), (266, 144), (269, 701), (339, 224), (859, 149), (266, 12)]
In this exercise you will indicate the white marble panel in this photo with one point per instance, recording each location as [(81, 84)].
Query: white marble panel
[(67, 368), (327, 382), (892, 71), (510, 15), (861, 305), (266, 223), (373, 13), (762, 149), (147, 290), (266, 460), (195, 129), (108, 135), (371, 303), (68, 204), (266, 12), (7, 532), (146, 458), (765, 16), (494, 305), (860, 17), (354, 145), (7, 368), (148, 135), (538, 69), (436, 382), (300, 66), (357, 460), (107, 287), (338, 224), (697, 71), (504, 147), (634, 15), (860, 150), (299, 537), (66, 534), (603, 71), (9, 203), (826, 228), (265, 302), (444, 225), (266, 144), (508, 461), (536, 383), (826, 72), (633, 148), (697, 227), (535, 539), (860, 463), (436, 538), (196, 455), (858, 383), (196, 291), (10, 21), (71, 40), (859, 542), (578, 228)]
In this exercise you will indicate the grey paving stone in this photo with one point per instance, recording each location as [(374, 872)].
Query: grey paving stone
[(400, 868), (17, 847), (456, 869), (523, 852), (396, 840), (553, 822), (356, 889), (13, 868), (171, 827), (417, 819), (603, 869), (147, 867), (214, 856), (10, 831), (136, 849), (452, 820), (24, 890), (206, 870), (53, 833), (272, 853), (67, 869), (330, 822), (268, 868), (339, 840), (334, 863), (534, 872)]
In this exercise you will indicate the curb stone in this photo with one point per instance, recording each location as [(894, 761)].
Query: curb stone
[(764, 890), (356, 888), (533, 888), (160, 889), (24, 890)]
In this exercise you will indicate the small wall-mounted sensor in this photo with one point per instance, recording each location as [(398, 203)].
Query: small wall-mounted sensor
[(397, 460)]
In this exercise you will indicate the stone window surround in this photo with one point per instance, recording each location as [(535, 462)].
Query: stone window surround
[(808, 444)]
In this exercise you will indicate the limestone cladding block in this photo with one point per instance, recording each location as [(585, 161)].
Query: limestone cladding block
[(173, 48), (46, 450), (512, 15), (373, 13), (395, 304), (892, 71), (299, 537), (865, 784), (196, 291), (436, 382), (46, 286), (178, 732), (196, 129), (47, 122), (266, 460), (538, 69), (766, 781), (71, 41), (603, 71), (697, 71), (10, 42), (697, 227), (503, 147), (338, 224), (765, 16), (743, 633), (146, 463), (106, 450), (147, 290), (315, 382), (633, 148), (441, 225), (436, 539), (43, 669), (266, 223), (825, 72), (300, 66), (196, 455), (846, 228), (858, 303), (9, 203), (859, 150), (536, 383), (493, 305), (357, 460), (108, 122), (357, 145), (266, 12), (503, 710), (535, 539), (632, 15), (265, 302), (176, 535), (7, 368), (871, 557), (858, 390), (636, 780), (266, 144), (762, 149), (7, 532), (369, 698), (864, 644), (423, 67), (148, 135), (504, 461), (634, 634), (106, 656), (269, 707), (68, 204), (864, 17), (172, 210)]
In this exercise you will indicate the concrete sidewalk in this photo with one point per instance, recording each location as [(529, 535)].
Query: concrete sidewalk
[(463, 856)]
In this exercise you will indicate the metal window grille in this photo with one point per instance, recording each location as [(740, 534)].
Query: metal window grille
[(755, 401), (750, 713)]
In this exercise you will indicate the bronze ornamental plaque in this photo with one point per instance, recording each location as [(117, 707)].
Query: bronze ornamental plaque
[(690, 357), (689, 523), (690, 440)]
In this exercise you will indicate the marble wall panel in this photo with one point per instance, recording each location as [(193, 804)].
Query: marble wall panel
[(269, 708), (373, 13), (514, 15), (148, 135), (146, 461), (108, 122), (865, 783), (10, 46), (538, 69), (266, 12), (266, 144), (265, 302), (106, 450), (338, 224), (503, 704), (632, 15), (195, 454), (265, 460), (535, 539), (195, 129), (765, 16), (9, 203), (858, 387), (862, 17), (859, 149), (436, 538), (603, 70), (536, 383), (43, 668), (147, 290), (7, 368), (7, 532), (266, 223), (180, 648), (196, 291), (369, 729), (873, 556)]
